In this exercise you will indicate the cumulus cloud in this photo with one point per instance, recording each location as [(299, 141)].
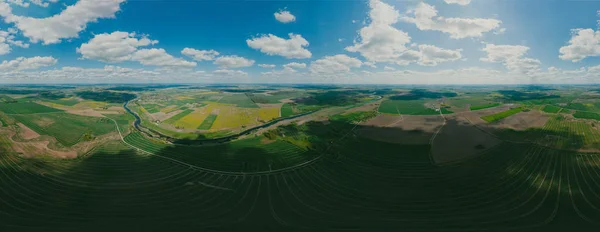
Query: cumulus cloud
[(159, 57), (26, 3), (294, 47), (228, 72), (233, 62), (379, 41), (583, 43), (295, 65), (386, 68), (7, 38), (459, 2), (23, 63), (64, 25), (512, 56), (284, 16), (266, 65), (425, 17), (334, 64), (200, 55), (114, 47)]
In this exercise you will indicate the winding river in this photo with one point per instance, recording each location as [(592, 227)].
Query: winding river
[(138, 126)]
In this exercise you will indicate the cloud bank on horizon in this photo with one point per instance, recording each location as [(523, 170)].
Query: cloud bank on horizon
[(385, 42)]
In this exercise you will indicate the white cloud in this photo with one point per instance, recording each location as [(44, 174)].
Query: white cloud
[(233, 62), (266, 65), (295, 65), (114, 47), (23, 63), (7, 38), (227, 72), (26, 3), (159, 57), (425, 17), (200, 55), (334, 64), (386, 68), (284, 16), (583, 43), (66, 24), (459, 2), (431, 55), (288, 48), (512, 57), (379, 41)]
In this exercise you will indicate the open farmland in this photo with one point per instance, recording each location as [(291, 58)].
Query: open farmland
[(26, 108), (552, 109), (409, 107), (304, 189), (68, 129), (208, 122), (501, 115), (481, 107), (586, 115), (345, 166)]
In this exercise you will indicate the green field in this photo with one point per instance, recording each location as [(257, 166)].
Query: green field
[(358, 183), (240, 100), (586, 115), (481, 107), (208, 122), (26, 108), (287, 110), (70, 102), (408, 107), (551, 109), (178, 116), (152, 108), (68, 129), (501, 115)]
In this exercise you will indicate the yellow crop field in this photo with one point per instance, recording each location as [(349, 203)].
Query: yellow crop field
[(267, 114), (90, 104), (193, 120)]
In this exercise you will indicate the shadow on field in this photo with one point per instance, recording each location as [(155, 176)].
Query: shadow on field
[(357, 183)]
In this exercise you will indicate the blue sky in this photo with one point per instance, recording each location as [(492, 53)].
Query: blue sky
[(371, 41)]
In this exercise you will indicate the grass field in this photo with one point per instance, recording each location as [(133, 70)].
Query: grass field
[(501, 115), (358, 183), (551, 109), (152, 108), (64, 102), (408, 107), (194, 119), (26, 108), (208, 122), (287, 110), (481, 107), (178, 116), (240, 100), (586, 115), (68, 129)]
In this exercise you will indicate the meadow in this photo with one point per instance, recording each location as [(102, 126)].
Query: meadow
[(552, 109), (409, 107), (287, 110), (481, 107), (26, 108), (345, 182), (68, 129), (501, 115), (207, 122)]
